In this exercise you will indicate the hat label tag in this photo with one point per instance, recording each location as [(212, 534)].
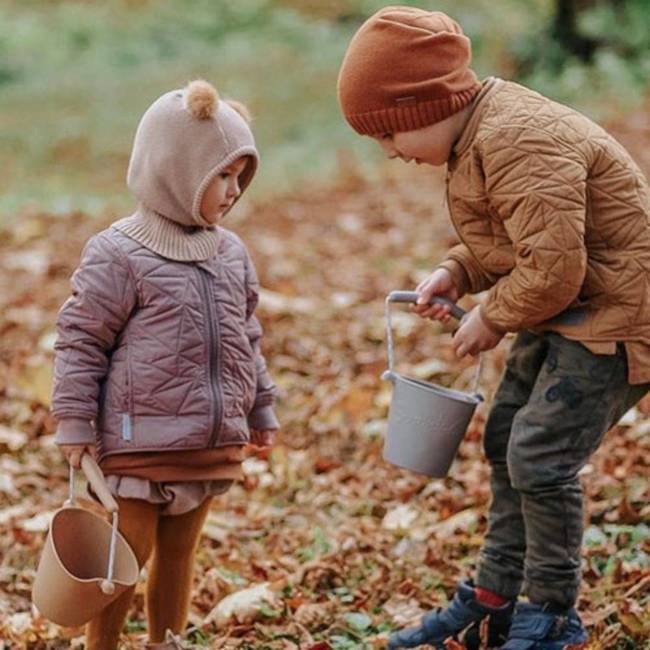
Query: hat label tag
[(406, 101)]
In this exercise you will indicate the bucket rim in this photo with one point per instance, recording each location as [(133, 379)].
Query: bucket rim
[(115, 580), (468, 398)]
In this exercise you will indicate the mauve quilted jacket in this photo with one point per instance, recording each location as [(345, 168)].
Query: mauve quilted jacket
[(554, 219), (161, 355)]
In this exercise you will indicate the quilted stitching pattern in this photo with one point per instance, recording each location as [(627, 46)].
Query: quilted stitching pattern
[(134, 338), (554, 217)]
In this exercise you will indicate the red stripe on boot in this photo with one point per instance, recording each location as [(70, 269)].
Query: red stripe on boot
[(489, 598)]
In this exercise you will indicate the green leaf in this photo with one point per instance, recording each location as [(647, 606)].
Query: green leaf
[(358, 621), (269, 612), (594, 536)]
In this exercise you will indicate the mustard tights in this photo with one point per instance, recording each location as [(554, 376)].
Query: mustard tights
[(174, 540)]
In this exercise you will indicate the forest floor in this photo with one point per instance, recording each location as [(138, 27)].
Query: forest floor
[(345, 546)]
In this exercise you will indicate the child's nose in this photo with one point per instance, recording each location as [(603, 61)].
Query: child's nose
[(233, 189), (389, 149)]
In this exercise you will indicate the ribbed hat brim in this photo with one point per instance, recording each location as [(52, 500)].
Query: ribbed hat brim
[(411, 117)]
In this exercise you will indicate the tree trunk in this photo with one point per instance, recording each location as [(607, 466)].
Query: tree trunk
[(565, 27)]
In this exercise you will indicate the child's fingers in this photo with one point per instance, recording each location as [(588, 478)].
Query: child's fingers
[(426, 292), (262, 438), (463, 347), (458, 343), (267, 438), (441, 312), (422, 307), (435, 311)]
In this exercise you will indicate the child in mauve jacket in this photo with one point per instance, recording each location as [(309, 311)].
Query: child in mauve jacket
[(554, 220), (158, 369)]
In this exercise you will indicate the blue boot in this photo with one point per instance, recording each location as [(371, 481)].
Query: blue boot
[(536, 627), (463, 612)]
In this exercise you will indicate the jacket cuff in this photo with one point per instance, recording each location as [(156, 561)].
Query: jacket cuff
[(458, 275), (493, 327), (263, 418), (75, 431)]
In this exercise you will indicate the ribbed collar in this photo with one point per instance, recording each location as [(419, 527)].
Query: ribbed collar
[(168, 238), (489, 87)]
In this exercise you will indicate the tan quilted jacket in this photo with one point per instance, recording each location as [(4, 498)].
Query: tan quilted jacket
[(554, 219)]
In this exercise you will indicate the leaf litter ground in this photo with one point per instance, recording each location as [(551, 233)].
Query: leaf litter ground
[(324, 545)]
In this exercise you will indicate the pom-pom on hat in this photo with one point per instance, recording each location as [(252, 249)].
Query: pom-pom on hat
[(405, 69), (201, 99)]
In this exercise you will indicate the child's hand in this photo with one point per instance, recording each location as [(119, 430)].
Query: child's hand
[(439, 283), (73, 453), (262, 438), (474, 335)]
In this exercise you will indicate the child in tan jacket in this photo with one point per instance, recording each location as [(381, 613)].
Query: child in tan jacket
[(554, 222), (158, 367)]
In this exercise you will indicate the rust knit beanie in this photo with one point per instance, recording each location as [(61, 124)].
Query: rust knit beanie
[(405, 69)]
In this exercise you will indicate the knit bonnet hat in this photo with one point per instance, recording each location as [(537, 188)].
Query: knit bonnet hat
[(184, 139), (405, 69)]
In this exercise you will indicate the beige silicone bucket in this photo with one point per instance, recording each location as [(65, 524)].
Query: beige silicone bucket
[(86, 563), (426, 422)]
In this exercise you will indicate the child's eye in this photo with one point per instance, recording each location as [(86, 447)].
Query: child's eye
[(225, 174), (387, 136)]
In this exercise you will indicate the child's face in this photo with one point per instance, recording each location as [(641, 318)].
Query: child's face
[(431, 145), (222, 191)]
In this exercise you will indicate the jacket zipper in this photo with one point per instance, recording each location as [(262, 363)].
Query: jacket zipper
[(214, 368), (451, 213)]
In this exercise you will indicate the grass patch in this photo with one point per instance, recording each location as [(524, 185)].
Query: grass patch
[(75, 78)]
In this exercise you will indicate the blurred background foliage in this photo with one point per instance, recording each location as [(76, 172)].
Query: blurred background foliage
[(75, 77)]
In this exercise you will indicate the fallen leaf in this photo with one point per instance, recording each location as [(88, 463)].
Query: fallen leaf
[(430, 368), (11, 439), (462, 521), (399, 518), (13, 512), (404, 611), (242, 606), (38, 523)]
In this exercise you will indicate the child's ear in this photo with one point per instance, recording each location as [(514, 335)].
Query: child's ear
[(241, 108)]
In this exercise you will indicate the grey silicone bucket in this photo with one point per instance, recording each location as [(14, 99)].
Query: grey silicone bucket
[(426, 422)]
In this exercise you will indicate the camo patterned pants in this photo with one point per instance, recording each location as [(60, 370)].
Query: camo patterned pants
[(555, 403)]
